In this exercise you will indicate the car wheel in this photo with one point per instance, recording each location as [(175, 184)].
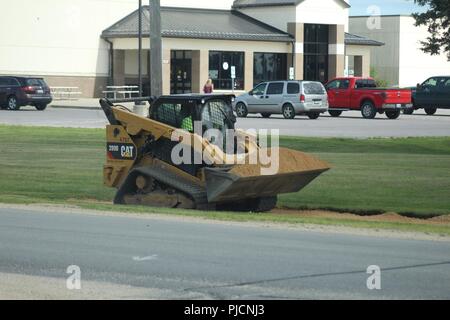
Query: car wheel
[(266, 115), (430, 111), (288, 111), (368, 110), (393, 114), (313, 115), (12, 103), (40, 107), (334, 113), (241, 110)]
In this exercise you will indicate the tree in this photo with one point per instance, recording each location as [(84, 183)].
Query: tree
[(437, 19)]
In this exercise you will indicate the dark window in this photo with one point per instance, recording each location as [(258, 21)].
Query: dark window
[(371, 83), (431, 82), (220, 63), (3, 82), (35, 82), (313, 88), (293, 88), (269, 67), (260, 89), (365, 83), (339, 84), (12, 82), (447, 84), (316, 52), (275, 88)]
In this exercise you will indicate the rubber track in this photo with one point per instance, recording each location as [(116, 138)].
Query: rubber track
[(196, 192)]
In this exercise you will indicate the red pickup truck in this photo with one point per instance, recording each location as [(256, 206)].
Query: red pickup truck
[(355, 93)]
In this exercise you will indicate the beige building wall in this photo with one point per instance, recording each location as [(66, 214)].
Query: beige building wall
[(200, 59), (385, 59), (400, 61), (336, 51), (59, 40), (297, 30), (363, 58), (278, 17)]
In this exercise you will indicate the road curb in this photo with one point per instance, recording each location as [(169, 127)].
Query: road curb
[(75, 107)]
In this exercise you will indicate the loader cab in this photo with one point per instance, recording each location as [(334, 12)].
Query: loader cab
[(184, 111)]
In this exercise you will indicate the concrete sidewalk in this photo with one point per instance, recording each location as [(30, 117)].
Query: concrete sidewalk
[(83, 103)]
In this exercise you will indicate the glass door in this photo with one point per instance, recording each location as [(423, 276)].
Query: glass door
[(181, 72)]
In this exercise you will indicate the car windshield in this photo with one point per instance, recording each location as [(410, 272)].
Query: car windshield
[(313, 88)]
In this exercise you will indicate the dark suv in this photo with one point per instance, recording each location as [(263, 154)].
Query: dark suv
[(16, 92)]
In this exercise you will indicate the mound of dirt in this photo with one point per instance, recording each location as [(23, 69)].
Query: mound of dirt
[(386, 217)]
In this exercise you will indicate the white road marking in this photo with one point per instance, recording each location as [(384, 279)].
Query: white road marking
[(148, 258)]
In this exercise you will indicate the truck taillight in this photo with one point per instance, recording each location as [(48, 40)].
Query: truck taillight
[(302, 98)]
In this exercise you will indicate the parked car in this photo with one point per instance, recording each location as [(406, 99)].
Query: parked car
[(16, 92), (356, 93), (431, 95), (289, 98)]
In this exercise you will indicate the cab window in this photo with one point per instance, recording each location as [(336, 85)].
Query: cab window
[(175, 115), (447, 84), (217, 115), (339, 84), (260, 89), (432, 82)]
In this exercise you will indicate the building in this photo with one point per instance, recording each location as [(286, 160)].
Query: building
[(400, 61), (93, 43)]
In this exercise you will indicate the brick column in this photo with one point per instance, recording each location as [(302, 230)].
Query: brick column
[(200, 70), (297, 30), (336, 51)]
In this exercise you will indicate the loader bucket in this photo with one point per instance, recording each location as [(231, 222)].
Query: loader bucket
[(239, 182)]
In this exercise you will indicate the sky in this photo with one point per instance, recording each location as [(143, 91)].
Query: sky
[(361, 7)]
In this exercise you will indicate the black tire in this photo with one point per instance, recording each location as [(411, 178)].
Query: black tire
[(393, 114), (313, 115), (12, 103), (335, 113), (368, 110), (288, 111), (241, 110), (266, 115), (430, 111), (408, 111), (40, 107)]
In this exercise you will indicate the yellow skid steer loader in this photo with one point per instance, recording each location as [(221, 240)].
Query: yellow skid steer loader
[(218, 172)]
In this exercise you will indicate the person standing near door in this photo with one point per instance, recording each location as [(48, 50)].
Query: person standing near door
[(209, 87)]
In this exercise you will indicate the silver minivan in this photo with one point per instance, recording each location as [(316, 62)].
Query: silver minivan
[(289, 98)]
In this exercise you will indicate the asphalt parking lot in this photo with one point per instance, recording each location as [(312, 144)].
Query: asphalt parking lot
[(349, 125)]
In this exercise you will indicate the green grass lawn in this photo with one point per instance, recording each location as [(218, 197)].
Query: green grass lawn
[(408, 176)]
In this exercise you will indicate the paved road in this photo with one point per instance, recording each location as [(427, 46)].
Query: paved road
[(167, 258), (350, 125)]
